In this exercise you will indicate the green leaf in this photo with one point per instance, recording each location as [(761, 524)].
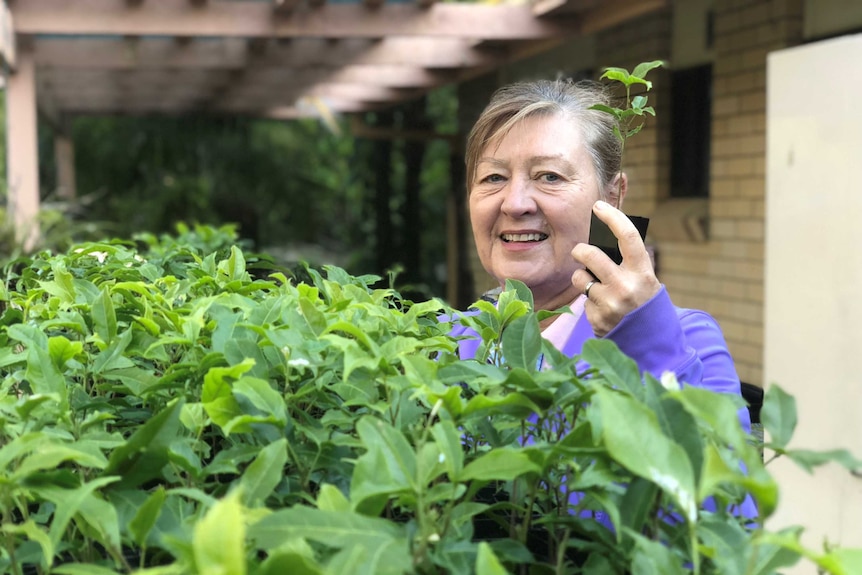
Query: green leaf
[(138, 381), (755, 481), (194, 417), (217, 394), (469, 371), (51, 455), (62, 350), (643, 68), (28, 403), (42, 373), (524, 293), (330, 498), (36, 534), (487, 562), (849, 560), (142, 457), (676, 422), (101, 516), (515, 404), (451, 447), (315, 318), (727, 542), (809, 459), (113, 356), (388, 467), (219, 538), (104, 316), (264, 473), (606, 109), (500, 464), (234, 266), (616, 74), (720, 411), (333, 528), (69, 503), (777, 550), (261, 394), (370, 544), (618, 369), (778, 416), (634, 130), (654, 558), (638, 102), (145, 518), (86, 569), (637, 503), (522, 342), (284, 561), (635, 440)]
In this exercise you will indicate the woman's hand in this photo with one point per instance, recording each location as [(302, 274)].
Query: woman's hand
[(623, 287)]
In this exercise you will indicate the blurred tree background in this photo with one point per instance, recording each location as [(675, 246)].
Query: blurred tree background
[(298, 190)]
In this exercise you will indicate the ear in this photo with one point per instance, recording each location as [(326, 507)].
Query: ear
[(617, 190)]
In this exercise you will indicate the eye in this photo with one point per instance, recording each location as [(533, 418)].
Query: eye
[(549, 177), (492, 179)]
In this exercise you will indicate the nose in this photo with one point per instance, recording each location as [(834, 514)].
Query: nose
[(519, 199)]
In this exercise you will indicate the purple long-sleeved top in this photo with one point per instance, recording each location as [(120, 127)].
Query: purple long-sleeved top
[(660, 337)]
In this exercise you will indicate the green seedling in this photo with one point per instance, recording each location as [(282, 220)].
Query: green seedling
[(630, 118)]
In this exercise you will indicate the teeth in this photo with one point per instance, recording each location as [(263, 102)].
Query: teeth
[(523, 237)]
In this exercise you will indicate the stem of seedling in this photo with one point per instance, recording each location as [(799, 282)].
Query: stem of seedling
[(633, 107)]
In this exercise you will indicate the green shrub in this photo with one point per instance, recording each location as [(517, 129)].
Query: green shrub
[(167, 411)]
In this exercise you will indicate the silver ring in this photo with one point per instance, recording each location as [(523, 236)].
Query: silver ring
[(588, 287)]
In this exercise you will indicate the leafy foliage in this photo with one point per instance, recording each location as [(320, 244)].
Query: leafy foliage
[(169, 408), (634, 107)]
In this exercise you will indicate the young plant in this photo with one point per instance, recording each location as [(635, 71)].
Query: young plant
[(629, 121), (630, 117)]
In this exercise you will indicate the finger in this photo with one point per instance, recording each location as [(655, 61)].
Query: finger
[(580, 278), (596, 264), (583, 280), (597, 317), (630, 243)]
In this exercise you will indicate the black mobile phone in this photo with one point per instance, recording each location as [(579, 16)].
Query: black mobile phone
[(603, 238)]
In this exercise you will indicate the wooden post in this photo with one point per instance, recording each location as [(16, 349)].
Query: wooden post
[(64, 155), (22, 150)]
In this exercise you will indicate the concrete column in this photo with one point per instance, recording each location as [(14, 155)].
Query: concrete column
[(814, 279), (64, 154), (22, 150)]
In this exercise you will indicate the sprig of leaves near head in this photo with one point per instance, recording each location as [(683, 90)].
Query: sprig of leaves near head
[(634, 108)]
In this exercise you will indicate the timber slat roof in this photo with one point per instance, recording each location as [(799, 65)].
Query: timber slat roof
[(281, 58)]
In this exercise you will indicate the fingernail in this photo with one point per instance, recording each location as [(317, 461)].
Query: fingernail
[(600, 205)]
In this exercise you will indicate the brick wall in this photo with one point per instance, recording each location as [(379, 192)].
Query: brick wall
[(745, 32), (724, 275)]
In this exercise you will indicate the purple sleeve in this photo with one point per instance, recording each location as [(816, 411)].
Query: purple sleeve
[(661, 337)]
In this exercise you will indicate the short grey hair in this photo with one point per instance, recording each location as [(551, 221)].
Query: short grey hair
[(515, 102)]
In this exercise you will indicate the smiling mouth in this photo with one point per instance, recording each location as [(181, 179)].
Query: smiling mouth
[(510, 238)]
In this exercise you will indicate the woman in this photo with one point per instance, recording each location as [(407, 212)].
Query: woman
[(539, 160)]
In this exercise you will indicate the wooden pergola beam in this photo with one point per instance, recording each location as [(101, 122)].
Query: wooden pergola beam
[(556, 7), (610, 13), (82, 107), (257, 19), (162, 80), (119, 53)]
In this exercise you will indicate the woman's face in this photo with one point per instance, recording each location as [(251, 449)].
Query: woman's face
[(530, 204)]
